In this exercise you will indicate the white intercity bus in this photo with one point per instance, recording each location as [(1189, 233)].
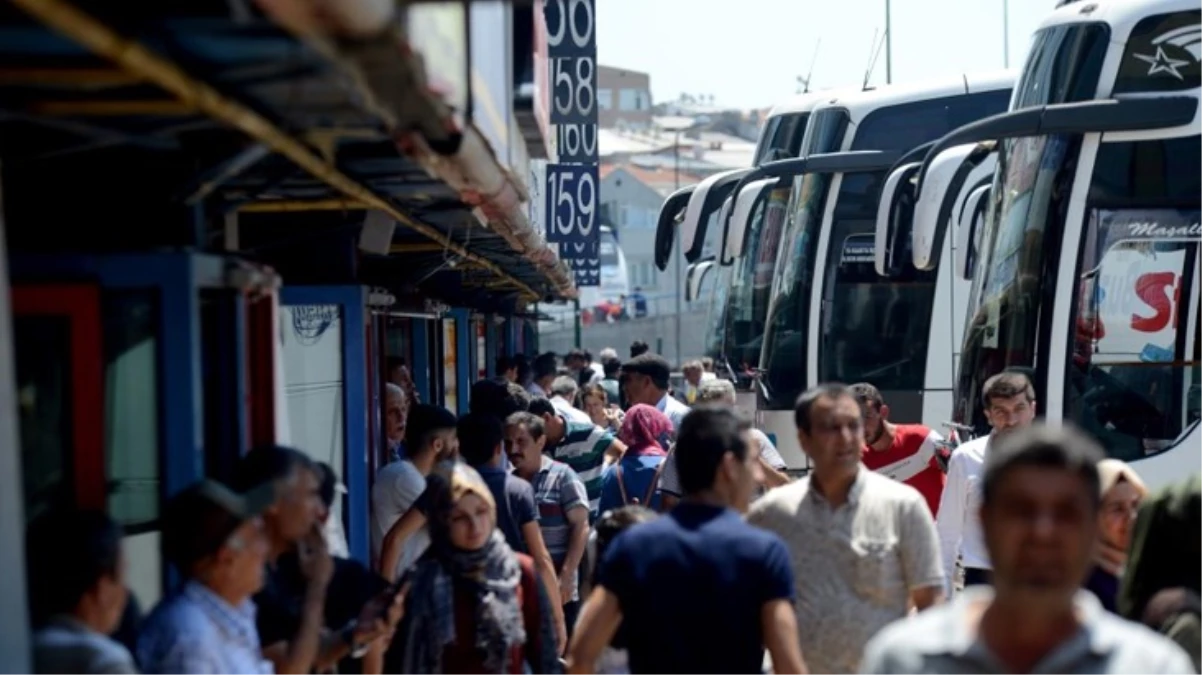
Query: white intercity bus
[(832, 317), (1087, 269)]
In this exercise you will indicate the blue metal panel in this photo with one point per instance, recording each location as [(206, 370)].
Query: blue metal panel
[(420, 369), (182, 410), (375, 400), (242, 356), (464, 346), (490, 347), (352, 301)]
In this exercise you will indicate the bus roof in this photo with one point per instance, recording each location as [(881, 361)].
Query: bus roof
[(800, 103), (860, 104), (1121, 15)]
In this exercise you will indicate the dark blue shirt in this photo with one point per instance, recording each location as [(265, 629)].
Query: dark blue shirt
[(692, 585), (515, 504)]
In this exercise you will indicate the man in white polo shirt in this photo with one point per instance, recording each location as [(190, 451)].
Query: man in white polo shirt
[(1009, 401)]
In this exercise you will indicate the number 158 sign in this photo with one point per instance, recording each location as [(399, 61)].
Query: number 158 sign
[(571, 205)]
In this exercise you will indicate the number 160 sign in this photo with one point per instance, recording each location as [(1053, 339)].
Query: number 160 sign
[(571, 203)]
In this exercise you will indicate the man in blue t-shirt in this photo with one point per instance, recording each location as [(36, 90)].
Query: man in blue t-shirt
[(698, 590), (481, 437)]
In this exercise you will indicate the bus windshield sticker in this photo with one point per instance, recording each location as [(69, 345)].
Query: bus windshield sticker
[(858, 248)]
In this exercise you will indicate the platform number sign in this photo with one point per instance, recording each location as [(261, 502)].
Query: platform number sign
[(571, 186), (571, 27), (572, 52), (577, 142), (571, 206), (585, 261)]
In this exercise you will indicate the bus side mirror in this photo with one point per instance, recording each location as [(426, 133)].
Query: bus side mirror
[(694, 277), (894, 219), (1084, 117), (706, 200), (670, 214), (938, 187), (736, 229), (968, 230)]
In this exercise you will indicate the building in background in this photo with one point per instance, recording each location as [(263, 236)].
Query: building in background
[(623, 99), (631, 197)]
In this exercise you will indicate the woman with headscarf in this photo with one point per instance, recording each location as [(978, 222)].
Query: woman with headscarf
[(475, 606), (647, 433), (1122, 492)]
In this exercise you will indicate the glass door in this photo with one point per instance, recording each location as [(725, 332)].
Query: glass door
[(60, 395)]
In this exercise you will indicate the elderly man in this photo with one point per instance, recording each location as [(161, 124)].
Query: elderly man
[(396, 414), (692, 370), (772, 465), (215, 539), (563, 397)]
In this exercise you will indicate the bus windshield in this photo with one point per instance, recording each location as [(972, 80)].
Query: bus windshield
[(1019, 256), (874, 328), (751, 283), (1133, 378), (783, 353), (782, 137), (715, 321)]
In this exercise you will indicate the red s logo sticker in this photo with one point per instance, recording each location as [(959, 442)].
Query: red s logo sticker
[(1153, 289)]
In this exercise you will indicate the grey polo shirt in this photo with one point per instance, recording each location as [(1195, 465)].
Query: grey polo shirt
[(941, 640)]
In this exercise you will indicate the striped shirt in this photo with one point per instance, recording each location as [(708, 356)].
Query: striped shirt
[(557, 490), (583, 448)]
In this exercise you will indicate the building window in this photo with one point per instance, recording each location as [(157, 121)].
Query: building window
[(634, 99), (605, 99)]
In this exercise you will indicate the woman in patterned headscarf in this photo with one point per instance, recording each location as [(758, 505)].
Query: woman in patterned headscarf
[(647, 434), (475, 606), (1121, 493)]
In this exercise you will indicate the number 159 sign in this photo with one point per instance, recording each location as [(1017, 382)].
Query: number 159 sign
[(571, 203)]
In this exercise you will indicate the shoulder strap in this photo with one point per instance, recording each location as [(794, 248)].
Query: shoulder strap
[(622, 484), (654, 482)]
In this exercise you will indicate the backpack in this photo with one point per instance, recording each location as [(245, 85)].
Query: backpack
[(626, 501)]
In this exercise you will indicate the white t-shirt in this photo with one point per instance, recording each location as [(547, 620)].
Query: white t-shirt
[(397, 487)]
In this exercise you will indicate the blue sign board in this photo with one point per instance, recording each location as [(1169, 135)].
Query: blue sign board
[(577, 143), (571, 203), (573, 89), (585, 261), (571, 27)]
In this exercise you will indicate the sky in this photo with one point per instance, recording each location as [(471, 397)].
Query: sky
[(749, 53)]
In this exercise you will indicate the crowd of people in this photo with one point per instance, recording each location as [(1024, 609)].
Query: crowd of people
[(590, 517)]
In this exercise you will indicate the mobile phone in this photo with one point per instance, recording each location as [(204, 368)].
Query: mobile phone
[(399, 585)]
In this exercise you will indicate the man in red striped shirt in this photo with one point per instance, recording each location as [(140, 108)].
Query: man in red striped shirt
[(903, 452)]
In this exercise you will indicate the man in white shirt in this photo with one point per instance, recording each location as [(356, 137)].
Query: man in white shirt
[(1009, 401), (429, 434), (1040, 505), (563, 397), (645, 379)]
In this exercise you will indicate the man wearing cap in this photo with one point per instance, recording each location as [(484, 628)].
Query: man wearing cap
[(215, 539), (291, 618)]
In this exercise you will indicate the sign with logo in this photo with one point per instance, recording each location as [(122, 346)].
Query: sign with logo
[(1162, 54), (1135, 296)]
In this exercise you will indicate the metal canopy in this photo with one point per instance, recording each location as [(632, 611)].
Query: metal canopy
[(268, 124)]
